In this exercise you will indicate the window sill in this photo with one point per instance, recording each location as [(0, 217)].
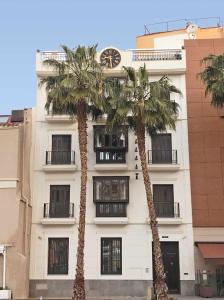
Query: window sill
[(110, 167), (168, 221), (60, 168), (58, 221), (111, 221), (59, 118), (164, 167)]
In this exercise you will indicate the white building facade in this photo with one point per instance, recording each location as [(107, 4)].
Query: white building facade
[(118, 250)]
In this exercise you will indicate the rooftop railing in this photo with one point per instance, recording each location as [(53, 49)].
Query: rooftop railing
[(137, 55), (150, 55), (60, 56)]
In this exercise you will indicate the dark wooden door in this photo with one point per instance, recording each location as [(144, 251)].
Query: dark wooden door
[(59, 201), (161, 148), (61, 149), (163, 199), (170, 253)]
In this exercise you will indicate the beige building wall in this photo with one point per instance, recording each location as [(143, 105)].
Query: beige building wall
[(15, 204)]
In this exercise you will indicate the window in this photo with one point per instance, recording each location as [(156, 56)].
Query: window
[(163, 200), (61, 150), (162, 149), (111, 195), (59, 201), (111, 256), (111, 188), (58, 255), (110, 144)]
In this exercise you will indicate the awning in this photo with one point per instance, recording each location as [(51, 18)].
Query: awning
[(211, 250)]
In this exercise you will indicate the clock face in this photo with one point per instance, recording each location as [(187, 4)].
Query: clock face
[(110, 58)]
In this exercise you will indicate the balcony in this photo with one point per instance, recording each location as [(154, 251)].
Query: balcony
[(58, 214), (158, 61), (168, 214), (111, 209), (163, 160), (59, 118), (137, 55), (60, 161), (110, 145), (111, 160), (111, 214)]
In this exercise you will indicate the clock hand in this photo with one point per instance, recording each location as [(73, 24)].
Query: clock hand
[(110, 57)]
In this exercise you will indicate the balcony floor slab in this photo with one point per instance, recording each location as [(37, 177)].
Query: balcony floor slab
[(58, 221), (111, 221), (164, 167), (60, 168), (168, 221), (111, 167)]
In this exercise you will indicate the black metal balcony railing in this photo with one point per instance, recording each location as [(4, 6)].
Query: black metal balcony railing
[(167, 210), (111, 209), (60, 157), (149, 55), (59, 210), (110, 157), (162, 157)]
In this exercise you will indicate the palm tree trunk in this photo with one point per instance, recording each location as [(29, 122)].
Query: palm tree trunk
[(79, 283), (159, 282)]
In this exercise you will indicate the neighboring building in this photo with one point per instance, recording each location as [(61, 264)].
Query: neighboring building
[(118, 253), (206, 147), (15, 203)]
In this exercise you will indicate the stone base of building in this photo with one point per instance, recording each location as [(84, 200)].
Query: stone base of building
[(187, 287), (101, 289)]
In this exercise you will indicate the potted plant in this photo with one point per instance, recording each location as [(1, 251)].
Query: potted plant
[(205, 290)]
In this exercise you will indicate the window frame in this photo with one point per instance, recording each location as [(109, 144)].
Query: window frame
[(166, 203), (58, 188), (111, 239), (102, 129), (96, 178), (159, 153), (48, 261)]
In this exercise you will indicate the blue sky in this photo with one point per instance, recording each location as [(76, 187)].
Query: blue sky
[(28, 25)]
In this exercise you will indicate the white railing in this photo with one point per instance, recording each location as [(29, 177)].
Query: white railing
[(60, 56), (149, 55), (137, 55)]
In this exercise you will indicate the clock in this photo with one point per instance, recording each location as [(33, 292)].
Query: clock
[(110, 58)]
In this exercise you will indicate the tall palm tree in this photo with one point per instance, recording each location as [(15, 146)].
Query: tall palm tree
[(145, 107), (213, 77), (74, 89)]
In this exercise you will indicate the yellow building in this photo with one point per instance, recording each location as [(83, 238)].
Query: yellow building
[(160, 40)]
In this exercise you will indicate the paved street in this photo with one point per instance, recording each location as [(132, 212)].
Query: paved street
[(174, 297)]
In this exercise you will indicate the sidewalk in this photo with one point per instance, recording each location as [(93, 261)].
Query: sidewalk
[(194, 298)]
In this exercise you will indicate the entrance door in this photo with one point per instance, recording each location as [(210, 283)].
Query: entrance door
[(170, 253)]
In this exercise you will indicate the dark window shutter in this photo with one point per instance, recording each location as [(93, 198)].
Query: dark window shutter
[(163, 199), (59, 201), (58, 253)]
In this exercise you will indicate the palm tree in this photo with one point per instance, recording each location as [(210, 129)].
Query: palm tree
[(213, 78), (74, 89), (145, 107)]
